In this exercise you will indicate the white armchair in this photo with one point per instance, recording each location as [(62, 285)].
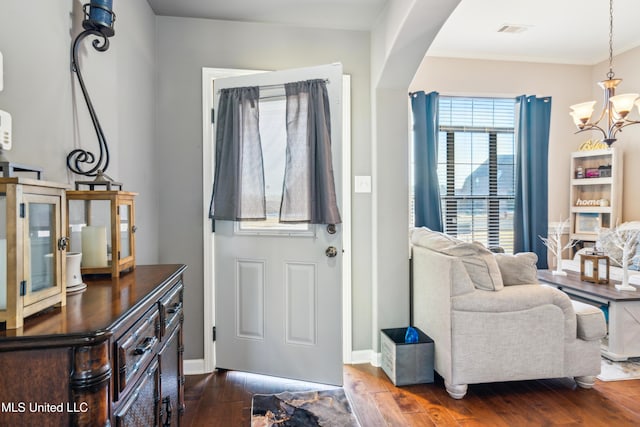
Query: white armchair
[(491, 321)]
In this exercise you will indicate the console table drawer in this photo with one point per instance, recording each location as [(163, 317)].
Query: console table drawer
[(137, 347), (171, 309)]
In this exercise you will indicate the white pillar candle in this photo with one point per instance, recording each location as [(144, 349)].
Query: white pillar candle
[(94, 246)]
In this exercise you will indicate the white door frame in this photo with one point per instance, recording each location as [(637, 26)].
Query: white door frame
[(208, 75)]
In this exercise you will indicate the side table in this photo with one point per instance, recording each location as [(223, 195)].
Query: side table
[(623, 311)]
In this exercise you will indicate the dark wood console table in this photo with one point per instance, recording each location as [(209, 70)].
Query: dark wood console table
[(112, 356)]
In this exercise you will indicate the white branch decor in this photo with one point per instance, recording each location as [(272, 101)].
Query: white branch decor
[(626, 240), (554, 245)]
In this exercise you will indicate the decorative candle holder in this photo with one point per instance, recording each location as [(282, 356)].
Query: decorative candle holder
[(594, 268), (101, 225)]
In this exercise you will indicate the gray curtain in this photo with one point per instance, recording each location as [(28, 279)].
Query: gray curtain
[(309, 193), (238, 186)]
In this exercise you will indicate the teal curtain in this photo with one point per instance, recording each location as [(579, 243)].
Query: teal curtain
[(428, 212), (533, 116)]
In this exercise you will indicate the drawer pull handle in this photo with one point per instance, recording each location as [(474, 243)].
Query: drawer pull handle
[(146, 346), (175, 308), (167, 402)]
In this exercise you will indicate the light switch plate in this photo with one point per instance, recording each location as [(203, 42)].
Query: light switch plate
[(362, 184)]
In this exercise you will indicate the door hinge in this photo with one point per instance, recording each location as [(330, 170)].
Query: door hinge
[(23, 212), (213, 115), (213, 335), (23, 288)]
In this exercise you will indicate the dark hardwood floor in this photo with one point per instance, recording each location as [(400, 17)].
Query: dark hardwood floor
[(224, 399)]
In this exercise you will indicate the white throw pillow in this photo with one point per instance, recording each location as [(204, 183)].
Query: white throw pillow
[(607, 241), (479, 261), (518, 269)]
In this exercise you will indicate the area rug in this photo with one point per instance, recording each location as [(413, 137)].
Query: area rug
[(618, 371), (328, 408)]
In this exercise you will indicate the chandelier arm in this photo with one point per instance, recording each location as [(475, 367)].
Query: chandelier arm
[(602, 115), (618, 127), (589, 126), (80, 161)]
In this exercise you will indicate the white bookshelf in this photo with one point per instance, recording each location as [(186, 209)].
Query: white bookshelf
[(595, 200)]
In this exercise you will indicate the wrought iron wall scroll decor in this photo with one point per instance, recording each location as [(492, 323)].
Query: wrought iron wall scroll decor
[(98, 22)]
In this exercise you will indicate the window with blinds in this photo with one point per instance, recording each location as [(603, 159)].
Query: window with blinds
[(476, 169)]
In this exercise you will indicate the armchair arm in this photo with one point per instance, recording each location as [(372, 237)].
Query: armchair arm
[(518, 298)]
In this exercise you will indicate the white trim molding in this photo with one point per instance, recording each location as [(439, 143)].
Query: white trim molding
[(207, 364), (194, 367), (366, 356)]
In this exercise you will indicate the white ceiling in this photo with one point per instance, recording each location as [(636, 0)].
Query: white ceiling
[(559, 31)]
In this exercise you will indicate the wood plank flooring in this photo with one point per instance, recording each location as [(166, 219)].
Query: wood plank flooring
[(224, 399)]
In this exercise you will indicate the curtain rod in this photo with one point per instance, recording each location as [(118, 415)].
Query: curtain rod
[(282, 85), (273, 86)]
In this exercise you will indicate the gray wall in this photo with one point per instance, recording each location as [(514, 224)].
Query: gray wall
[(49, 114), (187, 45)]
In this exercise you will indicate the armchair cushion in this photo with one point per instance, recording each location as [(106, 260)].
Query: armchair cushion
[(591, 325), (478, 261), (518, 269), (521, 298)]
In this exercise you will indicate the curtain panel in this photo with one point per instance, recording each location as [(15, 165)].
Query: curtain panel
[(238, 186), (533, 116), (428, 212), (309, 193)]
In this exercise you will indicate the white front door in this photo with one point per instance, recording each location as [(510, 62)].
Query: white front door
[(278, 288)]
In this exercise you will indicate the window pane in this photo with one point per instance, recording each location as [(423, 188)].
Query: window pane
[(476, 166), (273, 138)]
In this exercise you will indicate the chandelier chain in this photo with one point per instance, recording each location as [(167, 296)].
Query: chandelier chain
[(610, 74)]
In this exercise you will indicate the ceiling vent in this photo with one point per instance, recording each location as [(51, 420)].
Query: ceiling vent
[(512, 29)]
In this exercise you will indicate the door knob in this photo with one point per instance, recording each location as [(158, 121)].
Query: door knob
[(331, 251)]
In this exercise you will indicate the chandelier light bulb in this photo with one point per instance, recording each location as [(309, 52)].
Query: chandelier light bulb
[(583, 111), (623, 104)]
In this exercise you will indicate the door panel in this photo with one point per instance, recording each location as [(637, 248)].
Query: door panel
[(278, 297), (301, 303), (250, 299)]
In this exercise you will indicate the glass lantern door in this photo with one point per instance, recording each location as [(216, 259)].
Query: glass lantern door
[(90, 233), (3, 251), (41, 235), (125, 219)]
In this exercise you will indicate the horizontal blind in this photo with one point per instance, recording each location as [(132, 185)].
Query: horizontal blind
[(476, 165)]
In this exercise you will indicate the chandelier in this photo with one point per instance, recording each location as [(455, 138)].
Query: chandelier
[(615, 109)]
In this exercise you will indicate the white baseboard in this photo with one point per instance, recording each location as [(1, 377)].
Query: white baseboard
[(194, 367), (366, 356), (197, 366), (376, 360)]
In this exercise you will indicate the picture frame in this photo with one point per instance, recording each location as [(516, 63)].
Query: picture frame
[(587, 222)]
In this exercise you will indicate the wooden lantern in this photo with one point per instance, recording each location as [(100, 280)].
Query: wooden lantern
[(101, 225), (594, 268), (32, 248)]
